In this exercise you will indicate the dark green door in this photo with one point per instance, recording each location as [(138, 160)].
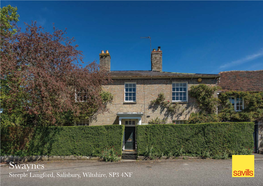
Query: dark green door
[(129, 138)]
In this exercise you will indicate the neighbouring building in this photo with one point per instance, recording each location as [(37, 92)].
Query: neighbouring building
[(251, 81)]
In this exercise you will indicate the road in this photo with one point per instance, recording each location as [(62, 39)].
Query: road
[(190, 172)]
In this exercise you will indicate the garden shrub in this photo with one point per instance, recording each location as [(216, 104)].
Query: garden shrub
[(110, 154)]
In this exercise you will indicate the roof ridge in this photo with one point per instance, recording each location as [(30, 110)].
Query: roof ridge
[(241, 71)]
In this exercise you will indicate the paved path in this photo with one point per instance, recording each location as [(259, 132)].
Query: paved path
[(194, 172)]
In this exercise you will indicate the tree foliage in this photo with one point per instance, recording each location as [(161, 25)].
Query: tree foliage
[(42, 74), (8, 17)]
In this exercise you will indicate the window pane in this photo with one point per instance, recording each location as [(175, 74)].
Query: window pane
[(130, 92), (179, 91)]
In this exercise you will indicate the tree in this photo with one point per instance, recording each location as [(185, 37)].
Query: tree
[(43, 74), (8, 18)]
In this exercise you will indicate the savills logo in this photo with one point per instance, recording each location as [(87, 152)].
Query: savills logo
[(243, 166), (240, 173)]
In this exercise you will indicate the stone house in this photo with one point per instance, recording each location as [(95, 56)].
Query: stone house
[(133, 92), (251, 81)]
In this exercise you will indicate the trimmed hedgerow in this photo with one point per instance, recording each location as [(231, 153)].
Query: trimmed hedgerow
[(216, 140), (61, 141)]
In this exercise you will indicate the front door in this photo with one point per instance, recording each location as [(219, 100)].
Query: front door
[(129, 138)]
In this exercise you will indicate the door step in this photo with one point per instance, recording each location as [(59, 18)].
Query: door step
[(129, 155)]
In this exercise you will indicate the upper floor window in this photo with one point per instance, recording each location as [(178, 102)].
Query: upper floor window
[(179, 92), (81, 96), (237, 102), (130, 92)]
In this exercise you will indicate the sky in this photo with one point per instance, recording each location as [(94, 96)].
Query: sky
[(195, 37)]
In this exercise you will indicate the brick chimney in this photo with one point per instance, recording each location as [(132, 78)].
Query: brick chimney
[(156, 59), (105, 60)]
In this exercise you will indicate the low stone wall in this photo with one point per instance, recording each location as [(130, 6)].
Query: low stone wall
[(7, 159)]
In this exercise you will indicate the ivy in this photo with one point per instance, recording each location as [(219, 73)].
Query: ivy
[(205, 98), (207, 102), (253, 110)]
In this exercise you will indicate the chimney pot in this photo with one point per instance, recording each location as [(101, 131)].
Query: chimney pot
[(102, 51), (107, 52), (159, 48)]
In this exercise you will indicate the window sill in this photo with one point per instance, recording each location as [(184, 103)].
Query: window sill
[(180, 102), (129, 102)]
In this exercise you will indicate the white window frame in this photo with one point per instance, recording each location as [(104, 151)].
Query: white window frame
[(135, 92), (130, 122), (83, 122), (76, 97), (179, 122), (175, 92), (235, 103)]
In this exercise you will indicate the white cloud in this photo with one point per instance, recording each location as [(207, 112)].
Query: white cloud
[(243, 60)]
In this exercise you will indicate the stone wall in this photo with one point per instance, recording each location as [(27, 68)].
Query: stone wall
[(146, 91)]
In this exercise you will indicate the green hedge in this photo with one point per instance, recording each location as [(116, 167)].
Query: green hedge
[(61, 141), (212, 140)]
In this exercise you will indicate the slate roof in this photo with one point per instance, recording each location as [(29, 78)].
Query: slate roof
[(242, 80), (152, 74)]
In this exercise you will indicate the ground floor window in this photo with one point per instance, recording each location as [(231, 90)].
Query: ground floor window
[(179, 121), (83, 122), (237, 102)]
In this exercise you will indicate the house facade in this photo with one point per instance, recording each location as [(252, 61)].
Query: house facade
[(134, 91), (248, 81)]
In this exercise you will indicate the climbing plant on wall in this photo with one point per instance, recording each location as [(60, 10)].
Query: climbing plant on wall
[(207, 102), (253, 106), (205, 98)]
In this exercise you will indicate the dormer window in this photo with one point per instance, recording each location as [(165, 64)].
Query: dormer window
[(237, 102)]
